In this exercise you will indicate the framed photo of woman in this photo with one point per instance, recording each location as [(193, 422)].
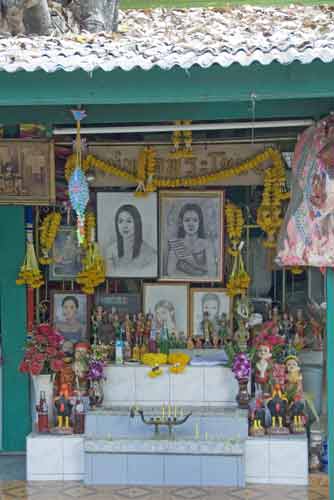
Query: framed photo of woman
[(128, 234), (66, 255), (191, 236), (168, 303), (70, 315), (213, 301)]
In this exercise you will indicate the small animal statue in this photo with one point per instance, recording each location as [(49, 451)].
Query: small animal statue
[(297, 415), (258, 418), (278, 407)]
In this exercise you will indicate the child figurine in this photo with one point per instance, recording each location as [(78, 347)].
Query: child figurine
[(63, 406), (263, 369), (294, 378)]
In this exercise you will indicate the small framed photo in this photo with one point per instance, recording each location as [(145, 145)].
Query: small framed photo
[(128, 234), (168, 302), (66, 255), (191, 236), (213, 301), (71, 315)]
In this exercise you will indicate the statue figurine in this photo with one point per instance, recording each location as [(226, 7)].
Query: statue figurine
[(300, 328), (148, 326), (317, 330), (294, 378), (297, 415), (278, 407), (66, 375), (198, 343), (140, 328), (63, 406), (224, 331), (263, 369), (257, 416), (129, 329), (286, 326), (116, 325), (97, 321), (241, 336), (207, 329), (80, 367), (190, 343), (215, 340)]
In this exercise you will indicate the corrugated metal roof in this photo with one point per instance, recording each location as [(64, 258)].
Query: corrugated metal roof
[(167, 38)]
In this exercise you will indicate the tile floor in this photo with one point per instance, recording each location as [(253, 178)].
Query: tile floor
[(74, 490)]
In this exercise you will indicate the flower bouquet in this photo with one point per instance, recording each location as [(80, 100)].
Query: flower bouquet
[(241, 368), (96, 376), (43, 353)]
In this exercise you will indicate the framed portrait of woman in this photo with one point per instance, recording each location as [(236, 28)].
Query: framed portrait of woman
[(191, 236), (70, 315), (66, 255), (168, 303), (213, 301), (128, 234)]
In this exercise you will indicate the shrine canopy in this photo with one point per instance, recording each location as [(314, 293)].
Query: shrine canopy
[(307, 235)]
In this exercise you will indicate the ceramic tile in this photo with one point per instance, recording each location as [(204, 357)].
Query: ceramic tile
[(288, 461), (73, 455), (257, 460), (188, 388), (148, 390), (219, 385), (120, 385), (47, 447)]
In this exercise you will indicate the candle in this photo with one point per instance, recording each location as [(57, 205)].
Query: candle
[(197, 431), (163, 412), (206, 436), (169, 410), (181, 413), (175, 412)]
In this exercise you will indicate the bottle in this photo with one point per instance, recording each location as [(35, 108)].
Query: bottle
[(42, 414), (164, 339), (79, 417), (119, 352)]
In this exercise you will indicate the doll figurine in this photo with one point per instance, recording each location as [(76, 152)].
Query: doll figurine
[(263, 369), (140, 328), (148, 326), (294, 378), (128, 329), (207, 329), (223, 330), (63, 406), (300, 328)]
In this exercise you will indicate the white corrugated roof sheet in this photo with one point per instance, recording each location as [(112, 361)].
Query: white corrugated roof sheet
[(167, 38)]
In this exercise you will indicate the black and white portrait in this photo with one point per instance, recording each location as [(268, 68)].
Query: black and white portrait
[(211, 301), (70, 315), (168, 303), (191, 235), (127, 234), (66, 255)]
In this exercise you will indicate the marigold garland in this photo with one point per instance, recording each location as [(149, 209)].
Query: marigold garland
[(90, 226), (48, 232), (177, 137), (93, 272), (178, 358), (30, 273), (153, 359), (156, 371), (91, 161), (269, 214)]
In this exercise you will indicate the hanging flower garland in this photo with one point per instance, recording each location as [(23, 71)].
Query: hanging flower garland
[(146, 171), (30, 274), (48, 232), (239, 279), (269, 214), (93, 271), (177, 137), (92, 162), (90, 228)]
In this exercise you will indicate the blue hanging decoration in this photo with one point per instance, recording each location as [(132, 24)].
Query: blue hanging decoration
[(78, 186)]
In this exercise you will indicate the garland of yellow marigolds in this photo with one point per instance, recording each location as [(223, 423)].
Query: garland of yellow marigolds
[(239, 279), (30, 274), (92, 162), (48, 232), (93, 271), (178, 135), (147, 164)]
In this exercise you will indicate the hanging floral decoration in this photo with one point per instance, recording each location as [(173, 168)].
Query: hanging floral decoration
[(93, 271), (146, 170), (239, 279), (90, 228), (48, 232), (157, 183), (77, 184), (30, 273), (182, 150), (269, 214)]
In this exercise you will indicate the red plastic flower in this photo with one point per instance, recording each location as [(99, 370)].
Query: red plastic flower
[(40, 357), (24, 367), (36, 368), (44, 329), (52, 351), (57, 365)]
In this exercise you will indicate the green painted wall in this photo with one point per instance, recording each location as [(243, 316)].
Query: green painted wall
[(15, 389)]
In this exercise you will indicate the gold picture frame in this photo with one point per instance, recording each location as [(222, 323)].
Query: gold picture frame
[(27, 172), (187, 219), (220, 302)]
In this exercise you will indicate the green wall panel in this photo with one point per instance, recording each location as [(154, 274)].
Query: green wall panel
[(16, 419)]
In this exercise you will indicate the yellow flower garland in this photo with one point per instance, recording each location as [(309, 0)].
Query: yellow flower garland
[(93, 272), (234, 224), (30, 273), (90, 227), (153, 359), (178, 135), (179, 361), (48, 233), (91, 161)]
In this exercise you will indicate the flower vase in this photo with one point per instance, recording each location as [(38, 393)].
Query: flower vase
[(43, 383), (96, 394), (243, 396)]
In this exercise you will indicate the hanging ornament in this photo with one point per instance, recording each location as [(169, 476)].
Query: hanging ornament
[(146, 170), (48, 232), (78, 186), (182, 150), (30, 273), (93, 271)]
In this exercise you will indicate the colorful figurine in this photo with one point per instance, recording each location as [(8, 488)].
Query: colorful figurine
[(300, 329), (224, 331), (294, 378), (207, 329), (278, 407), (64, 407), (258, 415), (263, 369), (80, 367), (297, 415), (317, 330)]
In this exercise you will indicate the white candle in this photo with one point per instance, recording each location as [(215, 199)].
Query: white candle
[(163, 411), (169, 410), (206, 436), (181, 413), (175, 412)]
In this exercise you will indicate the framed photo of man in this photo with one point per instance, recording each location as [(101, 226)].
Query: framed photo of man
[(70, 315), (128, 234), (191, 236), (66, 255), (213, 301), (168, 303)]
